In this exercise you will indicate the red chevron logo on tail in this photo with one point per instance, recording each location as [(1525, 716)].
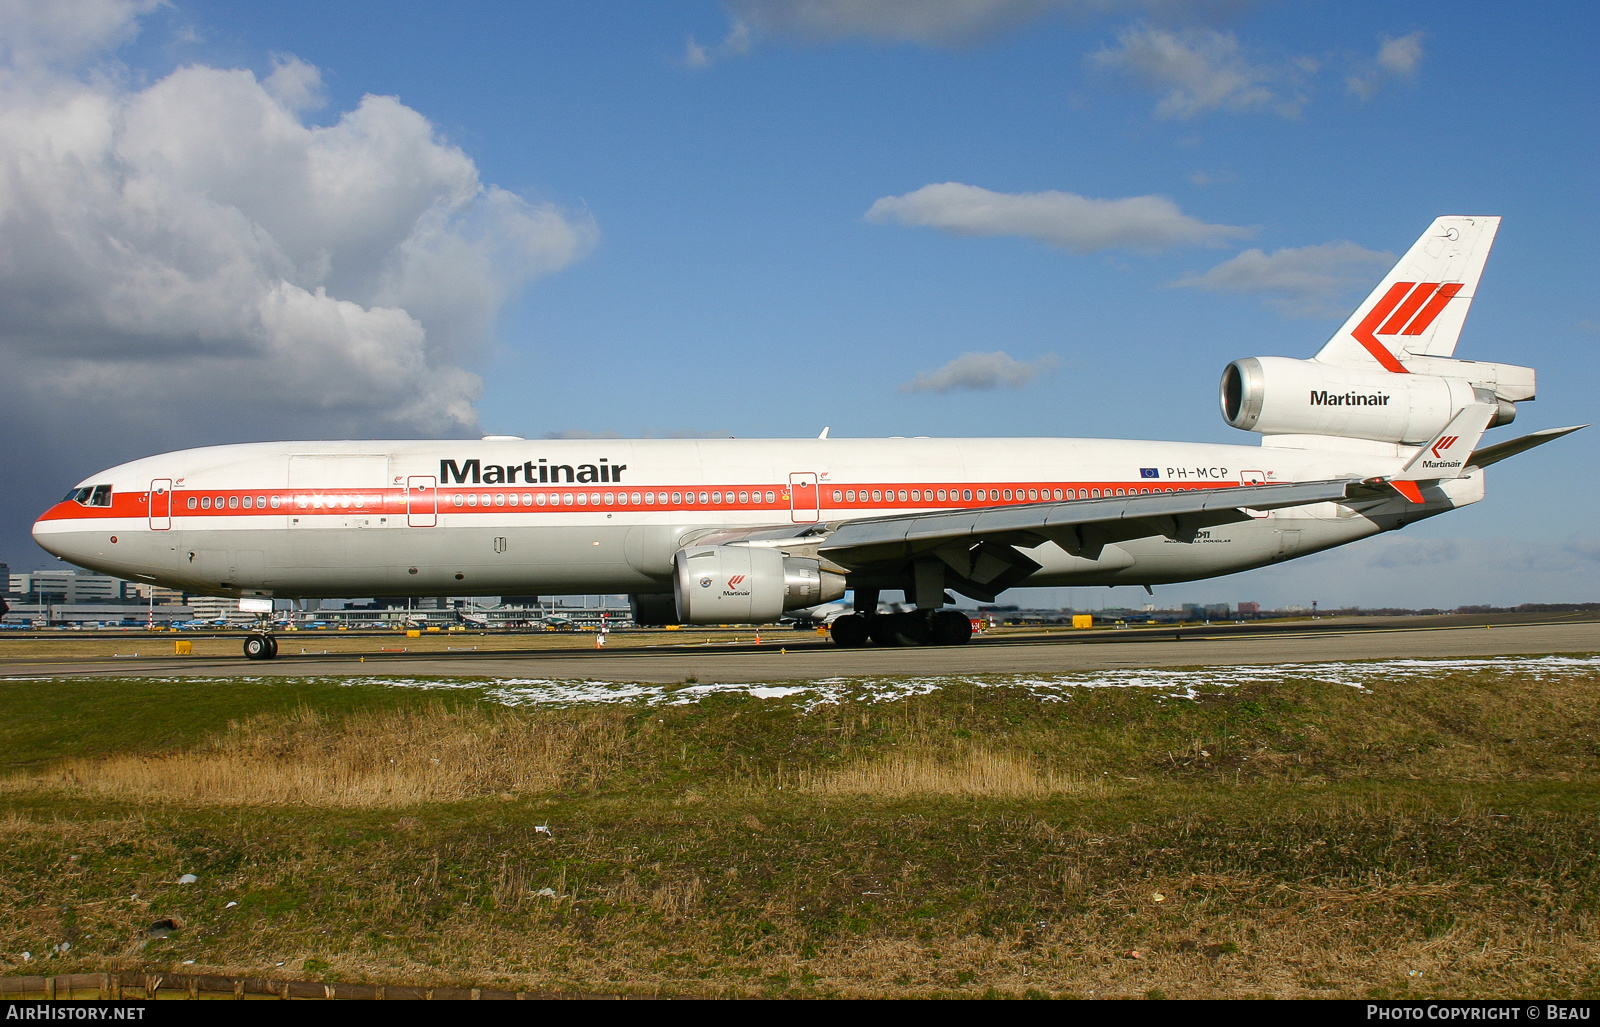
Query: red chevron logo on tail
[(1445, 443), (1398, 313)]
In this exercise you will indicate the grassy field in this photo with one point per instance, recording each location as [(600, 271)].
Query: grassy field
[(1432, 835)]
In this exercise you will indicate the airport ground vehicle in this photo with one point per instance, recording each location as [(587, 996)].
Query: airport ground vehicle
[(1381, 428)]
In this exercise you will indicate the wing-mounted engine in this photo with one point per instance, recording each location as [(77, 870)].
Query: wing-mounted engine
[(738, 584), (1283, 396)]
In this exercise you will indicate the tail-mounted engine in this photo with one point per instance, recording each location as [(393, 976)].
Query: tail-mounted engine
[(1282, 396), (747, 584)]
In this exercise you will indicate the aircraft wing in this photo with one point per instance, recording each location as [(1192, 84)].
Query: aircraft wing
[(979, 544)]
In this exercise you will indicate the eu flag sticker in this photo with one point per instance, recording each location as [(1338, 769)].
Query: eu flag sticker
[(1149, 472)]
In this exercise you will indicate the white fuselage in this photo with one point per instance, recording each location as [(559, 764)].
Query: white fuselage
[(522, 517)]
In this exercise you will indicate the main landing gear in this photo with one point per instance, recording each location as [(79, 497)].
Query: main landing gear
[(916, 627), (260, 643), (259, 646)]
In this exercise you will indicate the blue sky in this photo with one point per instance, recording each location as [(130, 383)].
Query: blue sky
[(682, 247)]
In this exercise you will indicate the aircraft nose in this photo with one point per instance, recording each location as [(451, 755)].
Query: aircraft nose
[(54, 533)]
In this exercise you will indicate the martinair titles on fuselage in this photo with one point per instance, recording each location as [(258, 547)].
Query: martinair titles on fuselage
[(534, 472)]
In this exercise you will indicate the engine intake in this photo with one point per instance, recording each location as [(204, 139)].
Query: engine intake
[(747, 584)]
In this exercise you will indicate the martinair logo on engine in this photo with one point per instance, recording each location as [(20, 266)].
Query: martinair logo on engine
[(1324, 398), (734, 586)]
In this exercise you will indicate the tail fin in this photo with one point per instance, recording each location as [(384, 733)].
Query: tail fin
[(1421, 304)]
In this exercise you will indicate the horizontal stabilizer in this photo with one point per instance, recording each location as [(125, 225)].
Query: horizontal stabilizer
[(1501, 450), (1446, 455)]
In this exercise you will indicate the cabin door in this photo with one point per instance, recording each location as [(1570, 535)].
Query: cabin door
[(805, 501), (161, 504), (422, 501)]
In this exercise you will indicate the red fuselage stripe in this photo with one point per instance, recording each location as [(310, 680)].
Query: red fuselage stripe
[(391, 502)]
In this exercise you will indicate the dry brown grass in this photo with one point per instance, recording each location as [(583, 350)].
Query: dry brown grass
[(977, 772), (382, 758)]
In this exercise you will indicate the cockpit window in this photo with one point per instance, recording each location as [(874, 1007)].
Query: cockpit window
[(89, 495)]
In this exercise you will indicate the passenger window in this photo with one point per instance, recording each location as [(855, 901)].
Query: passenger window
[(744, 497), (540, 499), (676, 498), (233, 502), (458, 499), (772, 497), (248, 502), (716, 497), (850, 495), (1033, 494), (205, 502), (1096, 493), (566, 499), (1119, 492), (192, 503), (966, 494), (1058, 493), (636, 499), (512, 499), (942, 495)]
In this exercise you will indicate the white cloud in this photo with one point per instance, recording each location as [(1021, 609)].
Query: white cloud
[(36, 33), (191, 262), (1397, 59), (1307, 281), (1401, 56), (928, 22), (981, 372), (1201, 70), (1412, 552), (736, 43), (1073, 222), (295, 83)]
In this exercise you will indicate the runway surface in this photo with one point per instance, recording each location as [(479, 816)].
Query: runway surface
[(806, 658)]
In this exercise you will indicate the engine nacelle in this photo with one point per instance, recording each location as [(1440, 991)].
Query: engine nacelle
[(747, 584), (1282, 396)]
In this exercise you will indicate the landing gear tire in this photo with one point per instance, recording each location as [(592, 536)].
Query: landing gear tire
[(911, 628), (260, 647), (951, 627), (882, 630), (849, 631)]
